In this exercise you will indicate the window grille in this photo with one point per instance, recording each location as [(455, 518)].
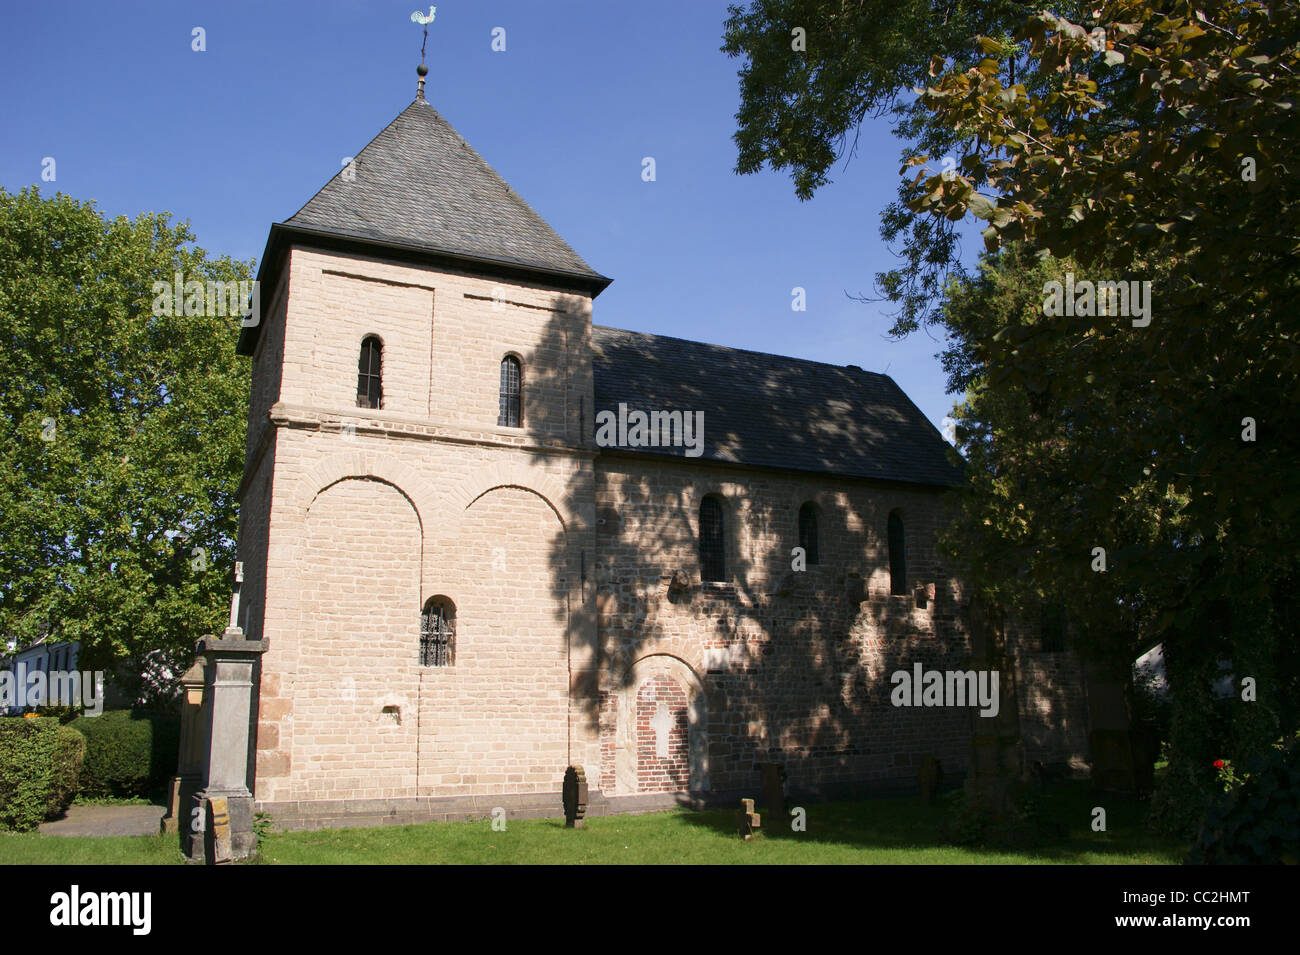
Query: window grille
[(437, 635)]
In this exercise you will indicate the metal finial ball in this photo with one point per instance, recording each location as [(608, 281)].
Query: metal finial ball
[(422, 70)]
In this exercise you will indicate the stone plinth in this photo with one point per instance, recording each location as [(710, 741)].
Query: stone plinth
[(222, 810), (189, 758)]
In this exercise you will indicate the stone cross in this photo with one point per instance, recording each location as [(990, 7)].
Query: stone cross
[(747, 820), (234, 597), (662, 724)]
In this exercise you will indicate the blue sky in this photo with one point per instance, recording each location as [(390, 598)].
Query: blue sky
[(242, 134)]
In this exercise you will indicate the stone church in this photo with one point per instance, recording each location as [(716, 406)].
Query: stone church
[(462, 591)]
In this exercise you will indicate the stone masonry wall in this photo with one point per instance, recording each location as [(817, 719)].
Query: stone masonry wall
[(793, 670), (557, 560), (371, 512)]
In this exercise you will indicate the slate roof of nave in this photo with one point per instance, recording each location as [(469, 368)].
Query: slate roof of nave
[(419, 186), (770, 411)]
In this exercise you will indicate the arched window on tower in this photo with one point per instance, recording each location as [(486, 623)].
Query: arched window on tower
[(438, 633), (897, 556), (512, 408), (713, 564), (370, 389), (808, 532)]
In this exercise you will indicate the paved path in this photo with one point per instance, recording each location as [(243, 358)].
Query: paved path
[(107, 821)]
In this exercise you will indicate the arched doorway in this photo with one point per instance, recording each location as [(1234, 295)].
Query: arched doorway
[(662, 729)]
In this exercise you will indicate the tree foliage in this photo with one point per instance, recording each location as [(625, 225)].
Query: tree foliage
[(1148, 142), (801, 109), (125, 432), (1173, 445)]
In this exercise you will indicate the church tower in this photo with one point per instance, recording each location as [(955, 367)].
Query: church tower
[(417, 509)]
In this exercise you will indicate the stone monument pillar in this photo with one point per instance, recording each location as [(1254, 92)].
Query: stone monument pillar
[(997, 765), (189, 761), (221, 813)]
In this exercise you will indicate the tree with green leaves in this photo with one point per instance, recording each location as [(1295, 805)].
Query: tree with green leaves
[(125, 428), (1148, 143), (814, 70), (1195, 447)]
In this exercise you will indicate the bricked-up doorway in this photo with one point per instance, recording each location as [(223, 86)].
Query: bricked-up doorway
[(662, 756), (662, 729)]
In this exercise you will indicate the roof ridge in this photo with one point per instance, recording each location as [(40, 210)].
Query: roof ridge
[(748, 351)]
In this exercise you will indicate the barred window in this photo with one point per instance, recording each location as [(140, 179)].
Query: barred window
[(808, 532), (511, 415), (370, 390), (897, 556), (438, 633), (713, 565)]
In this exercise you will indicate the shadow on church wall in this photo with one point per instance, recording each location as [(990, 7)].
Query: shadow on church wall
[(794, 665)]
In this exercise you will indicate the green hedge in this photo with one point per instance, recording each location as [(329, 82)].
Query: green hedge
[(69, 754), (128, 753), (29, 750)]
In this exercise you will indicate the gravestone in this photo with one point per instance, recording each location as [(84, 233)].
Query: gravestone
[(930, 778), (1110, 740), (747, 820), (189, 760), (575, 797), (997, 763), (773, 780)]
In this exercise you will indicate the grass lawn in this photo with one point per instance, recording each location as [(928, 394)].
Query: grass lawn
[(882, 831)]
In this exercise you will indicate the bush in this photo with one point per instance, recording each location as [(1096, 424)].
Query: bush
[(28, 748), (1257, 821), (69, 753), (1149, 707), (128, 753)]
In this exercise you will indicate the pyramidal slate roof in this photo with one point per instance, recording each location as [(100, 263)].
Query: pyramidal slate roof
[(418, 184), (769, 411)]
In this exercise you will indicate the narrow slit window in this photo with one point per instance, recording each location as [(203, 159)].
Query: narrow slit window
[(808, 533), (370, 389), (511, 415), (713, 565), (897, 556)]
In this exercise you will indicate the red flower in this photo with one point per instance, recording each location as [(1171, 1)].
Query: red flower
[(1218, 764)]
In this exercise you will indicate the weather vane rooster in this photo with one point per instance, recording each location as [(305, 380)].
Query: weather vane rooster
[(424, 21)]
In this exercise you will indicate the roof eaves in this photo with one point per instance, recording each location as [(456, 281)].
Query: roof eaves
[(285, 234)]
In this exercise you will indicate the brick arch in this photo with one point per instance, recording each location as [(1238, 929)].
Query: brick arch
[(659, 644), (364, 464), (508, 474), (647, 668)]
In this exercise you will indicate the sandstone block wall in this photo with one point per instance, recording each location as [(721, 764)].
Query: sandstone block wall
[(369, 513), (571, 646), (790, 668)]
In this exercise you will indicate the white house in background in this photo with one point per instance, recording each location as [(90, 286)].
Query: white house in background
[(40, 657), (1151, 666)]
